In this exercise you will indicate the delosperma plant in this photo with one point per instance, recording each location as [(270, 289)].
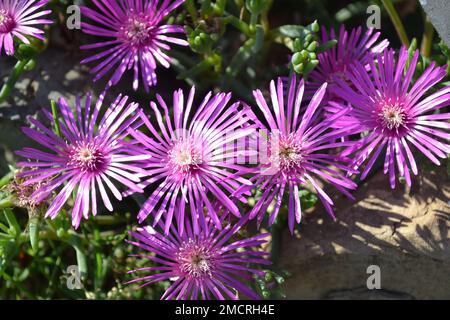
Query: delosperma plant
[(192, 175), (135, 38), (18, 19), (86, 156)]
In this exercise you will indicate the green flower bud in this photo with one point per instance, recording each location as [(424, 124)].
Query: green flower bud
[(311, 65), (308, 38), (198, 41), (312, 47), (268, 276), (305, 54), (315, 26), (61, 233), (297, 58), (299, 68), (279, 279), (298, 45)]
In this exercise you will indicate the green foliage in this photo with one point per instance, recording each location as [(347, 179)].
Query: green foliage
[(236, 45), (307, 199), (35, 255), (446, 54), (26, 56), (271, 285)]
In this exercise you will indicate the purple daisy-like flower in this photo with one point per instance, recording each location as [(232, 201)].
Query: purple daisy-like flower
[(297, 152), (395, 114), (86, 158), (136, 38), (17, 19), (205, 264), (194, 157), (335, 62)]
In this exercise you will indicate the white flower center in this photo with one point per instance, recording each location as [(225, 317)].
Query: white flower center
[(289, 155), (137, 30), (392, 116), (184, 157), (195, 259), (87, 158)]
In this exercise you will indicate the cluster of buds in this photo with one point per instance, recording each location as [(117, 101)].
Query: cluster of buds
[(303, 42), (304, 60)]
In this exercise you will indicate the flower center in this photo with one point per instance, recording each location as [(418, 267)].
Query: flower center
[(88, 158), (340, 71), (137, 30), (196, 259), (392, 117), (184, 157), (6, 22), (289, 155)]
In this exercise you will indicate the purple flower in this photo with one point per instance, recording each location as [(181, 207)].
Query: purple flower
[(201, 265), (136, 38), (335, 62), (86, 159), (17, 18), (395, 114), (298, 152), (194, 156)]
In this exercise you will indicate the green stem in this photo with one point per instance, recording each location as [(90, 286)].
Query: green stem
[(43, 235), (6, 203), (238, 24), (98, 279), (190, 7), (53, 275), (265, 17), (427, 38), (396, 21), (254, 19), (50, 234), (275, 251), (55, 118), (19, 68)]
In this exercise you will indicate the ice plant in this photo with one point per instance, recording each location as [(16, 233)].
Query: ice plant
[(135, 38), (88, 157), (201, 265), (397, 114), (356, 46), (194, 155), (18, 18), (299, 151)]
